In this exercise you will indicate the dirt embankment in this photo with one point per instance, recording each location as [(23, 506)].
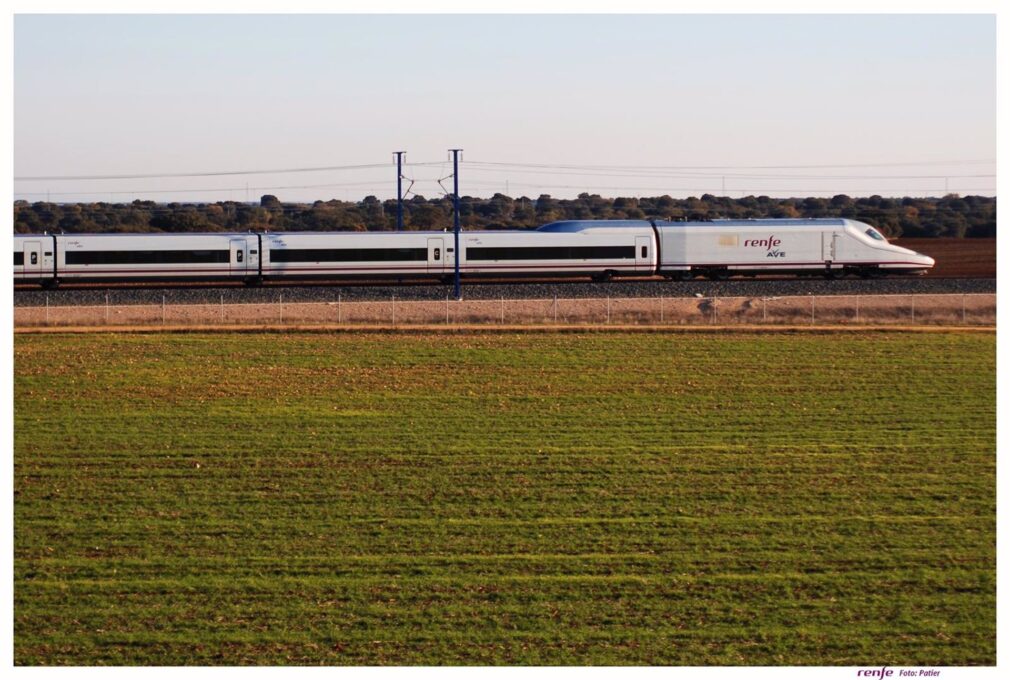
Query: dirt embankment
[(858, 310), (960, 258)]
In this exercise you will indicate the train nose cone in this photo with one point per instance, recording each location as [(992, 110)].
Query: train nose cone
[(925, 260)]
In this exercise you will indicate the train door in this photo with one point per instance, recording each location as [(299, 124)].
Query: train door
[(436, 255), (33, 259), (252, 256), (828, 246), (643, 253), (19, 260), (239, 257)]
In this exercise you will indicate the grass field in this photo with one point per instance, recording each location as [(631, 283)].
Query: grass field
[(592, 498)]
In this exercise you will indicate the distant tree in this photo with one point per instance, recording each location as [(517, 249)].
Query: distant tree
[(952, 215), (424, 216), (182, 218), (253, 217), (785, 210), (983, 229), (547, 208), (26, 220), (523, 213), (374, 213), (500, 209), (72, 219)]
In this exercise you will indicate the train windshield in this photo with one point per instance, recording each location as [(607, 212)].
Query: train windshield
[(874, 234)]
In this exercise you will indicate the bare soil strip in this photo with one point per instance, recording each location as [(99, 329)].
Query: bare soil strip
[(973, 258), (485, 328), (776, 311)]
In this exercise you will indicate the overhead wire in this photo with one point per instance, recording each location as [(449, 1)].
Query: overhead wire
[(737, 167), (708, 190), (217, 173), (475, 164), (673, 172)]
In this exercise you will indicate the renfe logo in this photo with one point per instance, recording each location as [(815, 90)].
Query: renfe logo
[(883, 672), (769, 243)]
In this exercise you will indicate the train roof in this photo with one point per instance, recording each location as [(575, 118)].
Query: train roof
[(563, 226), (113, 234), (769, 222), (582, 225)]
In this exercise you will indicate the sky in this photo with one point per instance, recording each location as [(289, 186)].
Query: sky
[(783, 105)]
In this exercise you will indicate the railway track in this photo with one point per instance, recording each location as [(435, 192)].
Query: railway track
[(371, 283), (487, 290)]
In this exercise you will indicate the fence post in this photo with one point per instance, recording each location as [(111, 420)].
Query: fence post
[(764, 310), (813, 313), (394, 309), (715, 309), (857, 309), (106, 308), (662, 315), (447, 309), (503, 310), (47, 309), (222, 307), (162, 310), (340, 318), (964, 311), (913, 309), (280, 307), (608, 308), (555, 310)]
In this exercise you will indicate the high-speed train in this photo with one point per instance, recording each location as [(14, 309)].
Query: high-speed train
[(600, 249)]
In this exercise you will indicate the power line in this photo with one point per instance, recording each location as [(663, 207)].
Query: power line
[(705, 190), (187, 191), (728, 175), (734, 167), (475, 164), (379, 184), (134, 192), (219, 173)]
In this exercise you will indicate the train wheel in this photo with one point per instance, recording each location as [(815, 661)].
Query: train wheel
[(50, 284), (603, 277)]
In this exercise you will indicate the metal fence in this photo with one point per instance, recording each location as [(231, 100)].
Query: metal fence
[(943, 309)]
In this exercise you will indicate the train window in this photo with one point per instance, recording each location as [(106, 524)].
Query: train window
[(252, 252), (645, 251), (35, 258), (553, 253), (349, 255), (19, 259), (438, 254), (147, 256), (874, 234)]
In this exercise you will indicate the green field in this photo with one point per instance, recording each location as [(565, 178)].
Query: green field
[(545, 498)]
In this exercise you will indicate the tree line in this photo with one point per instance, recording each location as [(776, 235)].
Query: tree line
[(950, 216)]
